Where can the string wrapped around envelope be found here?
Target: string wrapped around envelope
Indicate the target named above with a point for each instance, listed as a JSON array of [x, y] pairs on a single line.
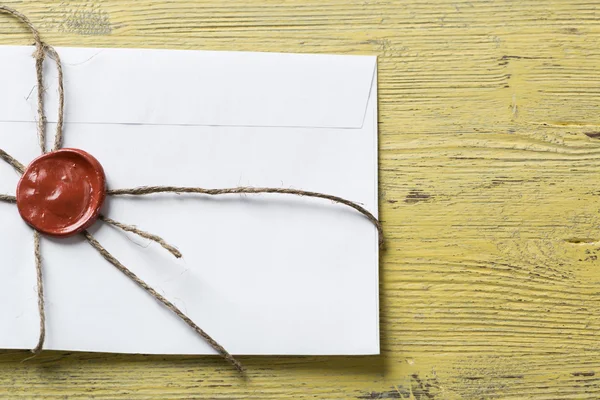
[[60, 194]]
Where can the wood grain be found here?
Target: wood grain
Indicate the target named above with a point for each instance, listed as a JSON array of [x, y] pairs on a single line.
[[490, 197]]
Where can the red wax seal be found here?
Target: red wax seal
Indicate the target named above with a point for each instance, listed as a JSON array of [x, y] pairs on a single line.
[[61, 193]]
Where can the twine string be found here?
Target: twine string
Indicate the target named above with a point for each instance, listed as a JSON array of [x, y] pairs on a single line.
[[6, 198], [43, 49], [146, 235], [40, 285], [20, 168], [39, 56], [146, 190], [38, 260], [58, 136], [111, 259]]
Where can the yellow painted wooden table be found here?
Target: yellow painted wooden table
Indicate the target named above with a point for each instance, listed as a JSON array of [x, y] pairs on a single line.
[[490, 196]]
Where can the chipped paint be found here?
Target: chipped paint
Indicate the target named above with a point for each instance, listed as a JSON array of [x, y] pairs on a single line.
[[86, 18], [416, 195]]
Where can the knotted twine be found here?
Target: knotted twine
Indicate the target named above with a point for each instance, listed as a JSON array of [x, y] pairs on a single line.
[[43, 49]]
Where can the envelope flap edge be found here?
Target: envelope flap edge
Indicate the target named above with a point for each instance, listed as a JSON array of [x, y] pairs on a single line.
[[178, 87]]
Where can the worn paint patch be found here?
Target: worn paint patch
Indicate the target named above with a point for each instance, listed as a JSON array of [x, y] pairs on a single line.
[[587, 373], [391, 394], [418, 388], [593, 135], [582, 241], [416, 195], [86, 18]]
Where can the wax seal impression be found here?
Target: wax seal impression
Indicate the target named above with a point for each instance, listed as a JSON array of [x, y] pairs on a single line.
[[60, 193]]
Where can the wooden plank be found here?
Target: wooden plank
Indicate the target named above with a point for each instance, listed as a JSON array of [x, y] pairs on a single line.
[[490, 155]]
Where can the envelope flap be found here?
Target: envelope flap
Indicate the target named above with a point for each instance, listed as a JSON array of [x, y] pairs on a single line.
[[117, 86]]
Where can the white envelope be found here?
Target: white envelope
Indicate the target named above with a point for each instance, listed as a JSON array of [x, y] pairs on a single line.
[[262, 274]]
